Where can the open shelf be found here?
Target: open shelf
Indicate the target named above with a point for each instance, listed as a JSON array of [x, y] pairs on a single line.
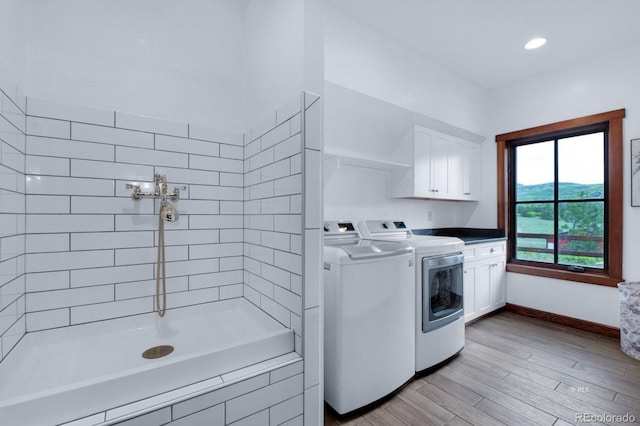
[[347, 159]]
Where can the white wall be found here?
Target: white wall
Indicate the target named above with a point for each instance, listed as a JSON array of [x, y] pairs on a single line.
[[274, 50], [363, 59], [404, 87], [355, 193], [12, 46], [224, 64], [314, 46], [166, 59], [598, 84]]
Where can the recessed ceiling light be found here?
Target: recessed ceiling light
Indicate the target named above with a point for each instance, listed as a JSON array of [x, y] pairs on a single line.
[[535, 43]]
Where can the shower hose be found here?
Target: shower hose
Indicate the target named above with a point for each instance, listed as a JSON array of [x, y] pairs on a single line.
[[161, 267]]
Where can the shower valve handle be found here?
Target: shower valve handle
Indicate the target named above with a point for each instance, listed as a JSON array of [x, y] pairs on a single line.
[[136, 190], [175, 195]]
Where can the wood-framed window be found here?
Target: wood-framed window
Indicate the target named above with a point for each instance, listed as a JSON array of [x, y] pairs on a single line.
[[558, 228]]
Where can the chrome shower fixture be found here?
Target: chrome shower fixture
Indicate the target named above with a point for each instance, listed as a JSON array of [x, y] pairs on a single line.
[[160, 190], [168, 212]]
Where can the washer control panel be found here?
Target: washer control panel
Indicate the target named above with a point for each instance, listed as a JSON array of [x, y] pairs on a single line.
[[383, 229], [337, 228]]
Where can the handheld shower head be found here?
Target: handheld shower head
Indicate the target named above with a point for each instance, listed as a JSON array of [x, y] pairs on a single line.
[[168, 212]]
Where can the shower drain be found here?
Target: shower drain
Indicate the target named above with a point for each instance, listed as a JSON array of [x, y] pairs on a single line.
[[157, 352]]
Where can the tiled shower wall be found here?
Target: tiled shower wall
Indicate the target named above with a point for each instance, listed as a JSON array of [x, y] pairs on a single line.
[[283, 213], [273, 217], [312, 261], [91, 248], [12, 219]]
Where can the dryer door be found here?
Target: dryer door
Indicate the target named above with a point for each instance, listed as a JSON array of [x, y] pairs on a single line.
[[442, 283]]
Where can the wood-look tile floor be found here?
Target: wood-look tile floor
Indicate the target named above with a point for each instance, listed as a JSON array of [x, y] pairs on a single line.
[[516, 370]]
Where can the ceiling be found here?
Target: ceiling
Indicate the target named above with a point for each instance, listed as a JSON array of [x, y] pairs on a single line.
[[482, 40]]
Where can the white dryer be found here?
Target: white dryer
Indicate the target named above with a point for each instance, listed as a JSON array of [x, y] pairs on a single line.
[[439, 307], [369, 329]]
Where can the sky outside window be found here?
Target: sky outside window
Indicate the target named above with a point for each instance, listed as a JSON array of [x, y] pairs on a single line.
[[581, 160]]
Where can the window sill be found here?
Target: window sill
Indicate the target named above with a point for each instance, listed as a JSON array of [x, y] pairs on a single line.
[[560, 274]]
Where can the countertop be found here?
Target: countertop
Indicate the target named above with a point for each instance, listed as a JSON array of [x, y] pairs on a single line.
[[468, 235]]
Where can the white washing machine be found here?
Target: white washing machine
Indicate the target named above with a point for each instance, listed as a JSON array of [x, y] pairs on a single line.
[[439, 305], [369, 345]]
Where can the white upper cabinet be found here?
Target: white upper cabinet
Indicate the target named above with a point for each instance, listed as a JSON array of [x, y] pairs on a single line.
[[418, 178], [442, 166], [471, 172], [439, 164], [456, 168]]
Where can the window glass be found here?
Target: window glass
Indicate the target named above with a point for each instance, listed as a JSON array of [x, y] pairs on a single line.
[[561, 228], [535, 171], [581, 167], [581, 234], [534, 232]]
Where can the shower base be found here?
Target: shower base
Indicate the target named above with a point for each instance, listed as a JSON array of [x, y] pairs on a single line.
[[56, 376]]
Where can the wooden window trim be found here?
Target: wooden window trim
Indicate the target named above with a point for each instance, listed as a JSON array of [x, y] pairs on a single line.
[[613, 275]]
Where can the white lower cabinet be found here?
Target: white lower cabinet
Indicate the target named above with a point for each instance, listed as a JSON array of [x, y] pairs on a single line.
[[484, 278]]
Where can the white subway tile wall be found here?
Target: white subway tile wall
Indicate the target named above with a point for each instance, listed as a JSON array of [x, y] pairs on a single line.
[[312, 263], [270, 226], [90, 248], [12, 220], [269, 393]]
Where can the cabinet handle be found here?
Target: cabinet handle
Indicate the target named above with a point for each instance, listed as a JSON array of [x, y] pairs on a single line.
[[492, 250], [435, 190], [467, 193]]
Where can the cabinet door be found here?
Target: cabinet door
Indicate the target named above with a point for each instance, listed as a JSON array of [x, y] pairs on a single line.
[[469, 291], [456, 169], [439, 166], [498, 282], [422, 164], [472, 163], [483, 288]]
